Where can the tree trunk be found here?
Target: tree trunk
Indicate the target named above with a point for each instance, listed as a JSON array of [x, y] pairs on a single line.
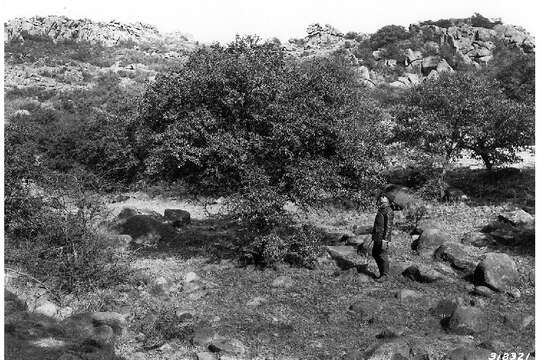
[[487, 161]]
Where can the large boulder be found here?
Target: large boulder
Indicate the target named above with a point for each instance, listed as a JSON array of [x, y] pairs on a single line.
[[429, 241], [429, 64], [177, 217], [456, 255], [145, 229], [346, 257], [517, 218], [497, 271], [467, 320]]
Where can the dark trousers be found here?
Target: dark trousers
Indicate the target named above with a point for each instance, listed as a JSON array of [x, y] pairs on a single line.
[[380, 254]]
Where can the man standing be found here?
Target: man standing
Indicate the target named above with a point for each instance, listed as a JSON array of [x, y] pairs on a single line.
[[382, 235]]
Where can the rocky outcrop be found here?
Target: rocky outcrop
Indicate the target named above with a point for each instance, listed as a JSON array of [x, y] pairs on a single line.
[[61, 28]]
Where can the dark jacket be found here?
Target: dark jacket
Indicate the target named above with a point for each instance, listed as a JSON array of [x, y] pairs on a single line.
[[384, 220]]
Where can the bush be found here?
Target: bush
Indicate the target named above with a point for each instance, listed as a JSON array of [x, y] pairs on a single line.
[[389, 34], [296, 246], [49, 223], [478, 20]]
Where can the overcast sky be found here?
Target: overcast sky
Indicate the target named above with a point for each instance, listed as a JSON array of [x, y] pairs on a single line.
[[220, 20]]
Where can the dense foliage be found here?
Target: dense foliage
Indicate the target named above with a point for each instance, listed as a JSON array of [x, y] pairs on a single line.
[[240, 116], [464, 111]]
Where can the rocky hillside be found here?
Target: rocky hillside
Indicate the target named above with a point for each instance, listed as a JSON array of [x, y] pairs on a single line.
[[61, 28], [421, 52], [393, 55]]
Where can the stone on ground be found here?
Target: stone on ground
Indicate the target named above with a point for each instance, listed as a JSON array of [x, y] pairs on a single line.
[[456, 255], [177, 217], [394, 349], [206, 356], [87, 325], [408, 296], [478, 239], [283, 282], [497, 271], [345, 257], [422, 273], [160, 286], [46, 308], [191, 276], [429, 241], [144, 229], [203, 336], [227, 346], [517, 218], [483, 291], [517, 320], [467, 320]]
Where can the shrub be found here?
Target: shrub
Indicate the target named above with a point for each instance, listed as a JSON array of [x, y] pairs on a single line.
[[242, 121], [478, 20], [389, 34], [296, 246]]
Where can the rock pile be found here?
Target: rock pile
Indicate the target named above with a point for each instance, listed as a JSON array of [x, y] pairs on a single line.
[[61, 28]]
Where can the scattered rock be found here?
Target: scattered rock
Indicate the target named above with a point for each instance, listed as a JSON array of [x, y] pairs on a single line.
[[498, 271], [227, 346], [160, 286], [91, 324], [346, 257], [191, 276], [46, 308], [206, 356], [422, 273], [454, 194], [483, 291], [144, 229], [514, 293], [493, 345], [407, 295], [394, 349], [390, 333], [456, 255], [203, 336], [256, 301], [177, 217], [283, 282], [518, 321], [429, 241], [183, 316], [137, 356], [517, 218], [467, 320], [478, 239]]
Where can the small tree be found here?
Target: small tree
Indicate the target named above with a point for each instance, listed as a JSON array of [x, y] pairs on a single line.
[[464, 111]]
